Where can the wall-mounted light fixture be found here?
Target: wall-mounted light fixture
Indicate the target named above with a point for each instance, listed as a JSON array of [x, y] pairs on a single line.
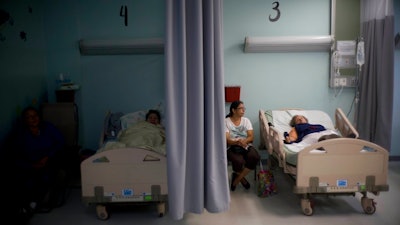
[[121, 46], [288, 44]]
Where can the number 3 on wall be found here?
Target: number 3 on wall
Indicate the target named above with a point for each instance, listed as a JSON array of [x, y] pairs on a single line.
[[278, 12]]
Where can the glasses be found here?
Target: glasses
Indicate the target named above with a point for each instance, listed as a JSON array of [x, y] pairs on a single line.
[[244, 108]]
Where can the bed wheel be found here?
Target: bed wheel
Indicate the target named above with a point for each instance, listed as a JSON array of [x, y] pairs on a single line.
[[306, 207], [161, 209], [101, 211], [368, 205]]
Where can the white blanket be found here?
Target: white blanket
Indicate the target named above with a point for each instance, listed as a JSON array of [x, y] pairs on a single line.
[[141, 135], [308, 140]]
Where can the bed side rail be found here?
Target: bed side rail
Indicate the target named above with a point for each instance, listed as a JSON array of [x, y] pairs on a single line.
[[265, 139], [278, 148], [103, 133], [273, 140], [344, 125]]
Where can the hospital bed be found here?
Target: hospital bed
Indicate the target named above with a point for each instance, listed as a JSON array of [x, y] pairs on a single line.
[[339, 166], [129, 167]]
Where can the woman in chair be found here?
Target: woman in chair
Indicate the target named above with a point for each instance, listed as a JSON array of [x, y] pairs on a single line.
[[39, 147], [239, 139]]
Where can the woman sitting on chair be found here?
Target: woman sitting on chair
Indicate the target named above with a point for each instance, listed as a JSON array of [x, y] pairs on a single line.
[[39, 147], [239, 139]]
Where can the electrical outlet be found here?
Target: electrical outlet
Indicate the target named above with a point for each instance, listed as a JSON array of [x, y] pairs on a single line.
[[353, 81], [336, 82], [343, 82]]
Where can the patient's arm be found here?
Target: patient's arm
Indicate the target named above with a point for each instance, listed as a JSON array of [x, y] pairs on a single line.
[[291, 136]]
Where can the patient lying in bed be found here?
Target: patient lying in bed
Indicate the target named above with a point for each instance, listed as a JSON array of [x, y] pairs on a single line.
[[301, 128], [148, 134]]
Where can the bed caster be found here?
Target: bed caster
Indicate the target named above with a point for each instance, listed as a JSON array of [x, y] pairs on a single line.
[[161, 209], [101, 212], [368, 205], [306, 207]]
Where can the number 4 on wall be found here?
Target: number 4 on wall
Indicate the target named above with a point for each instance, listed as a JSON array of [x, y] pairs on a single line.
[[123, 12]]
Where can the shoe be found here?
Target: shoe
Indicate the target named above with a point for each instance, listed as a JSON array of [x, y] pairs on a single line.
[[245, 183], [233, 187]]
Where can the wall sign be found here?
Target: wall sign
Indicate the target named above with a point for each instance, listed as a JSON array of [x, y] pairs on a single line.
[[123, 12], [277, 10]]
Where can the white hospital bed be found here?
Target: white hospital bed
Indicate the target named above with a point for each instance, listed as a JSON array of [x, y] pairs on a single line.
[[345, 166], [121, 173]]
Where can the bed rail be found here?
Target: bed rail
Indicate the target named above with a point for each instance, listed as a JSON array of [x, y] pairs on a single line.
[[344, 125]]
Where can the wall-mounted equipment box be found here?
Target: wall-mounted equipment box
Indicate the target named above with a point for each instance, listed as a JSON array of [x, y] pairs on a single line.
[[232, 93]]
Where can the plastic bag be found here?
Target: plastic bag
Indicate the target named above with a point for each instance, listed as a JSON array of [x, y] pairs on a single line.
[[266, 185]]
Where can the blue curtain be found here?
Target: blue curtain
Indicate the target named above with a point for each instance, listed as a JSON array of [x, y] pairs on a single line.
[[375, 109], [196, 147]]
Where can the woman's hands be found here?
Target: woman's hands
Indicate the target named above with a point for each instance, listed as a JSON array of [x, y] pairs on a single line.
[[241, 142]]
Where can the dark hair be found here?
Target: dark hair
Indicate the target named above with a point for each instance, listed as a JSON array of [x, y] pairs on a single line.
[[234, 105], [153, 111]]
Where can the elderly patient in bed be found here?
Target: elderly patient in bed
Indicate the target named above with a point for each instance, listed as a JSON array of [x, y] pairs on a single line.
[[148, 134], [301, 128]]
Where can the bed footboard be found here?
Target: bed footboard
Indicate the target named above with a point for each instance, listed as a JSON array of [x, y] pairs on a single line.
[[127, 175], [345, 164]]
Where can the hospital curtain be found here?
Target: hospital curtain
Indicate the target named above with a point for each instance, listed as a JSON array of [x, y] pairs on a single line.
[[196, 155], [375, 108]]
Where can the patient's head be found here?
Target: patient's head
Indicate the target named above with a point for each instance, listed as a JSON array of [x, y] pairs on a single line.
[[31, 117], [153, 116], [298, 119]]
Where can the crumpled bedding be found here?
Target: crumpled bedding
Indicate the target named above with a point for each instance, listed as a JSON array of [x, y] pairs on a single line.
[[293, 149], [141, 135], [308, 140]]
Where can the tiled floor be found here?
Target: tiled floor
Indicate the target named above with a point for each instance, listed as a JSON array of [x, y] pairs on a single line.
[[247, 208]]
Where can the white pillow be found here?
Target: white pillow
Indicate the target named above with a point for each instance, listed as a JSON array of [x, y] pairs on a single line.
[[131, 119]]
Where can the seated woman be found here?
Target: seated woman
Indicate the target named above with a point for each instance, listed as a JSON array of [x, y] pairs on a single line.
[[39, 145], [301, 128], [239, 139]]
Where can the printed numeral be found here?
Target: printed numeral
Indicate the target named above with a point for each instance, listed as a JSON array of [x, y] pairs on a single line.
[[124, 13], [278, 12]]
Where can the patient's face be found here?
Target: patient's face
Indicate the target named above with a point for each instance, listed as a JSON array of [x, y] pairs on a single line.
[[299, 119], [32, 118], [153, 118]]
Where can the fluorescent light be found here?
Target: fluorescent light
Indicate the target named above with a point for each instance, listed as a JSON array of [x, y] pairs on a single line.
[[288, 44], [121, 46]]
